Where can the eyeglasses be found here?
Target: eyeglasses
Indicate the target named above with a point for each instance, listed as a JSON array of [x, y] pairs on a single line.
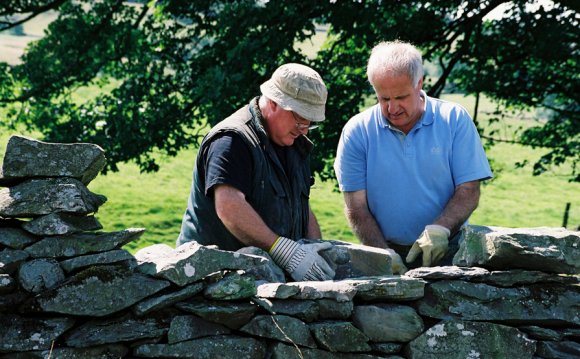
[[302, 126]]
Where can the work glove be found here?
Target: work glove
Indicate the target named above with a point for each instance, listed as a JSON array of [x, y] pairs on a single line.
[[301, 261], [433, 242], [396, 262]]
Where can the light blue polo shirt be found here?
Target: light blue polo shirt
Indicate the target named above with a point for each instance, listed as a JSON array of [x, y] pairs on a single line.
[[409, 179]]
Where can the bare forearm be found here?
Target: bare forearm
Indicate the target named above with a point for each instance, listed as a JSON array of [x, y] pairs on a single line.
[[463, 202], [314, 231], [361, 220], [241, 219]]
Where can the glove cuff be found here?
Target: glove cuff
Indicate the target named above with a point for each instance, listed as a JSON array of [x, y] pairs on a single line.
[[436, 227], [283, 250]]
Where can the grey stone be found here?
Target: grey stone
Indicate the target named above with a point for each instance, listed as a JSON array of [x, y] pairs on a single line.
[[520, 277], [19, 333], [37, 197], [26, 157], [267, 272], [559, 350], [39, 275], [61, 224], [7, 283], [340, 337], [11, 259], [361, 260], [232, 286], [191, 262], [388, 322], [462, 339], [277, 290], [554, 250], [280, 327], [399, 288], [305, 310], [539, 333], [16, 238], [114, 330], [286, 351], [206, 348], [109, 257], [446, 272], [187, 327], [165, 300], [83, 243], [232, 315], [537, 304], [113, 351], [387, 348], [95, 292], [330, 309]]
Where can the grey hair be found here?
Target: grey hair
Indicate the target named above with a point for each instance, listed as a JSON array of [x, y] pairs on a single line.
[[395, 58]]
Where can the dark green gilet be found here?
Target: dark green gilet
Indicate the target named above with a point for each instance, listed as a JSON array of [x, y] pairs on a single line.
[[280, 200]]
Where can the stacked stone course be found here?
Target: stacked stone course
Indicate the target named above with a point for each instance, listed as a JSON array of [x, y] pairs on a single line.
[[68, 290]]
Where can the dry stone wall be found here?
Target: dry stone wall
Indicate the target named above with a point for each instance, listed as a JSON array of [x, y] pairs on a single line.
[[69, 290]]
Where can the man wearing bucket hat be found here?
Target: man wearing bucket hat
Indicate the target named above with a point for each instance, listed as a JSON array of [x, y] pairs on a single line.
[[251, 181]]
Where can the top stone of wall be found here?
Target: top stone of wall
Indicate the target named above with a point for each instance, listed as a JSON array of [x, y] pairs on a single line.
[[26, 158]]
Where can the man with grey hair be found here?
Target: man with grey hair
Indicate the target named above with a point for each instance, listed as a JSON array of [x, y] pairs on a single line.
[[410, 167], [251, 181]]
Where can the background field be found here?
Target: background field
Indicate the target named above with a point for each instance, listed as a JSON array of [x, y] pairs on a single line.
[[156, 201]]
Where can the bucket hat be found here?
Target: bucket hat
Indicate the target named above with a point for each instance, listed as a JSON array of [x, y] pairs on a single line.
[[298, 88]]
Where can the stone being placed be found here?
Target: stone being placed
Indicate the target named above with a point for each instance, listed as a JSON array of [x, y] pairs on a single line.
[[27, 158], [38, 197], [554, 250]]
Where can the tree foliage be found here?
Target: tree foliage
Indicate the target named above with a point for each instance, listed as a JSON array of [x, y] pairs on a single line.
[[177, 66]]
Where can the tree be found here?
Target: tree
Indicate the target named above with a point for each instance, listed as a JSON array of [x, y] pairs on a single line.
[[177, 66]]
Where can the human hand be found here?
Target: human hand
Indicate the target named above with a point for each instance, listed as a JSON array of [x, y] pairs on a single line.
[[301, 261], [433, 242], [396, 262]]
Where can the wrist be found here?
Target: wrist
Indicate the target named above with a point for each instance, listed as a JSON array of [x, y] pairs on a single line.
[[439, 228], [282, 251]]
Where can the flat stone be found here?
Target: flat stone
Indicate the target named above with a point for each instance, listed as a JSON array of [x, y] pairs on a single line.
[[188, 327], [165, 300], [83, 243], [110, 257], [37, 197], [38, 275], [112, 351], [446, 272], [19, 333], [535, 304], [119, 329], [232, 286], [330, 309], [339, 337], [26, 157], [287, 351], [61, 224], [232, 315], [206, 348], [388, 322], [461, 339], [280, 327], [554, 250], [305, 310], [16, 238], [191, 262], [539, 333], [277, 290], [558, 350], [387, 348], [95, 292]]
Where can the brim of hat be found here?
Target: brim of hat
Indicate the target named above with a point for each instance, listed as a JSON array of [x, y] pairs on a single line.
[[309, 111]]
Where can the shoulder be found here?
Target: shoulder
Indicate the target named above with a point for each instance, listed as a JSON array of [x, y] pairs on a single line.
[[363, 121]]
